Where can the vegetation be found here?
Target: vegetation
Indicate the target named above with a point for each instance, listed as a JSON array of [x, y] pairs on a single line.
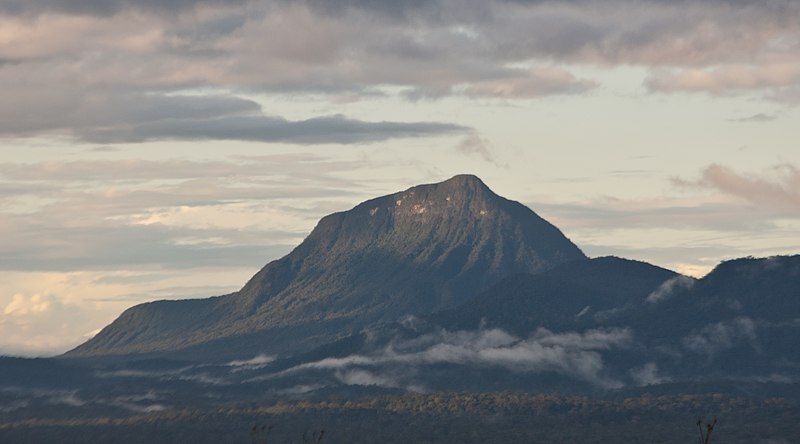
[[439, 417]]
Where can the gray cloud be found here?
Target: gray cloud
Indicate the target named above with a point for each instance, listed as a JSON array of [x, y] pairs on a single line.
[[40, 177], [755, 118], [474, 145], [123, 76], [103, 7], [103, 118], [85, 113], [319, 130]]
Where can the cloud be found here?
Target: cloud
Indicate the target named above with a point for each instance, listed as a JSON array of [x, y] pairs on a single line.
[[127, 118], [778, 190], [256, 362], [721, 336], [42, 324], [648, 374], [76, 215], [364, 377], [55, 397], [668, 288], [571, 353], [76, 62], [755, 118], [475, 145], [70, 399], [7, 407], [102, 7], [138, 403], [22, 305], [539, 82], [692, 232], [186, 373], [727, 79], [334, 129], [87, 114]]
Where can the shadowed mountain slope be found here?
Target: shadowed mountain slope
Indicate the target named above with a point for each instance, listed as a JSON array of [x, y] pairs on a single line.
[[585, 326], [568, 297], [425, 249]]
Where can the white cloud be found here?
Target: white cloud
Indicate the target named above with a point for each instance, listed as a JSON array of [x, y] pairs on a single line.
[[42, 324], [22, 305], [571, 353], [364, 377], [665, 290], [256, 362]]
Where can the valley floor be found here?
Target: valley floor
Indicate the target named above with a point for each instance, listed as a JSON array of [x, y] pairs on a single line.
[[437, 417]]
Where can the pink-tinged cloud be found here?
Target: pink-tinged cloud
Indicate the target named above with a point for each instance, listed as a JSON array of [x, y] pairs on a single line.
[[726, 79], [537, 82], [779, 189]]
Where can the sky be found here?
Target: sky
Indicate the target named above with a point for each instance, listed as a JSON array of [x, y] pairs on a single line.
[[169, 149]]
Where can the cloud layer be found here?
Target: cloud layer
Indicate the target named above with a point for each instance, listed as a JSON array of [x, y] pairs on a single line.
[[126, 118], [79, 65], [570, 353]]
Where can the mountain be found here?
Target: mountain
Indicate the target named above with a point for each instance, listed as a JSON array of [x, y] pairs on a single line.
[[441, 304], [585, 327], [444, 288], [450, 287], [425, 249], [568, 297]]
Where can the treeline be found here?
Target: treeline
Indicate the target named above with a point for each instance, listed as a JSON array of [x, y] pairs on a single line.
[[438, 417]]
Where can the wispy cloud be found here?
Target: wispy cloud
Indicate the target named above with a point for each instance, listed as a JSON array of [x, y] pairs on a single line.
[[776, 190], [715, 338], [648, 374], [571, 353], [728, 79], [755, 118], [475, 145], [96, 212], [256, 362], [668, 288]]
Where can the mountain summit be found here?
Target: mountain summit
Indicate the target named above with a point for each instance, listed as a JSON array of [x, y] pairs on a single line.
[[424, 249]]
